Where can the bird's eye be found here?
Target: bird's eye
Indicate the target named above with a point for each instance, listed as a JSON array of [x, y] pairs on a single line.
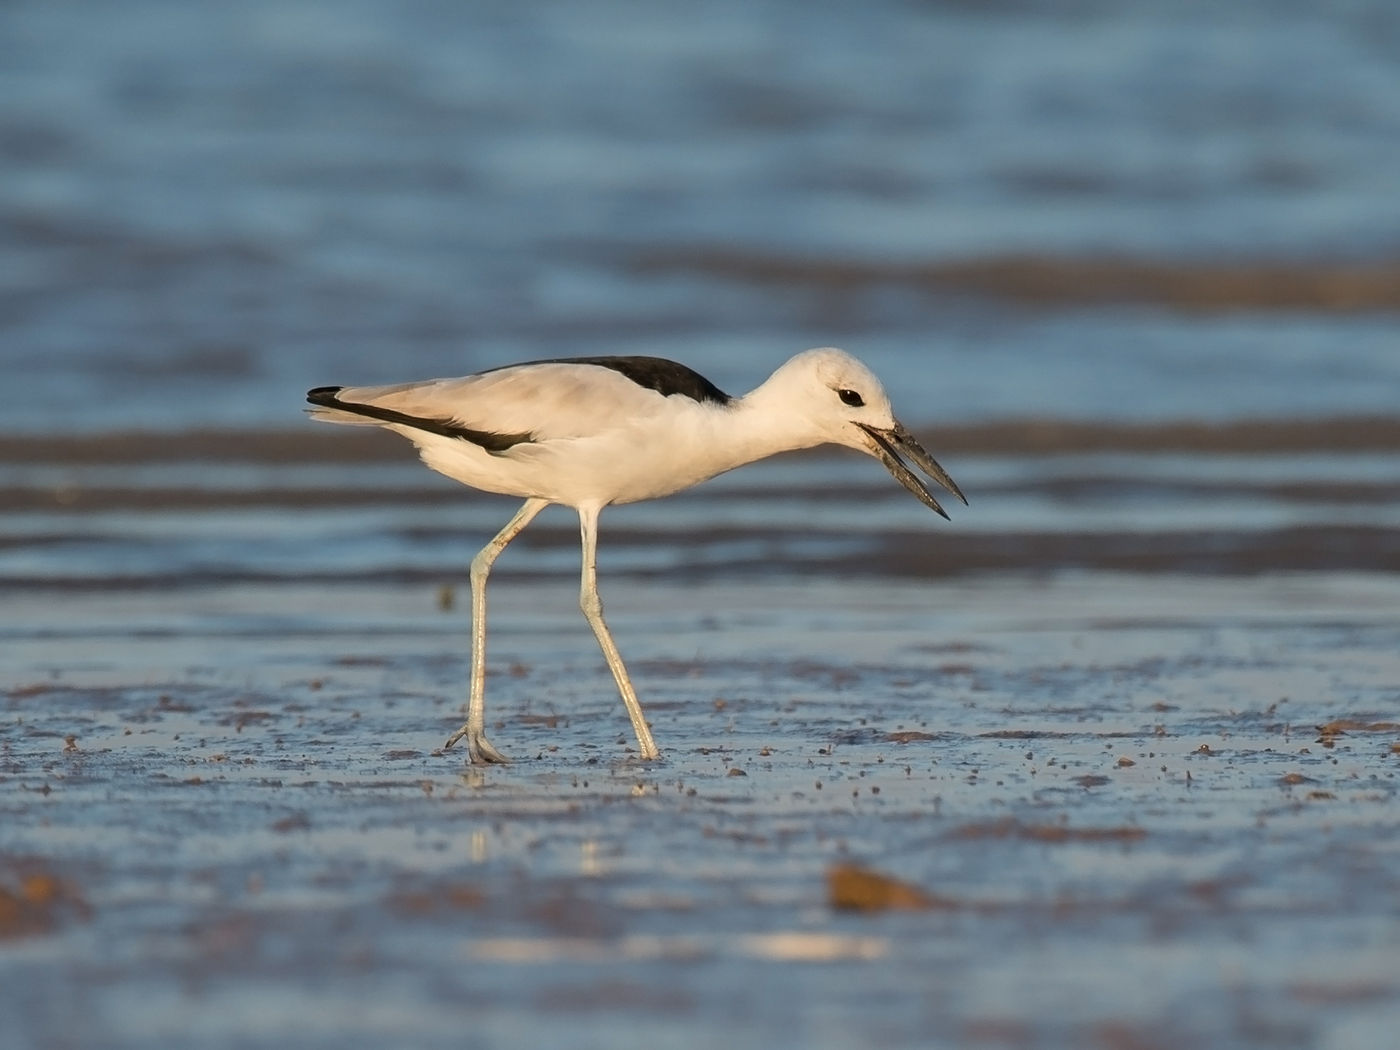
[[850, 397]]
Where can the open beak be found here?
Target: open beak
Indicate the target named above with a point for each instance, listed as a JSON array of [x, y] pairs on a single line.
[[888, 446]]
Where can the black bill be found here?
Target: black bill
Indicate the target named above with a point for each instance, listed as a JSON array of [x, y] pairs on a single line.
[[888, 446]]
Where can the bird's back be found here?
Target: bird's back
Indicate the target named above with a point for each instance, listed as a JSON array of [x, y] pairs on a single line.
[[587, 429]]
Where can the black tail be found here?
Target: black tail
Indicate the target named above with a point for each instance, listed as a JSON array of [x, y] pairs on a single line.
[[327, 397], [324, 396]]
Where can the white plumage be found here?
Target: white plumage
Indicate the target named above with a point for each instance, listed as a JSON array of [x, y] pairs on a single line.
[[593, 431]]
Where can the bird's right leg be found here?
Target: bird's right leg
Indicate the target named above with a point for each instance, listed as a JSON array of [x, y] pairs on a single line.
[[592, 606], [474, 729]]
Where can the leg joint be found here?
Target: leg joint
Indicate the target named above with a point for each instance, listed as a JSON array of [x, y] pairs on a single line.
[[590, 603], [481, 565]]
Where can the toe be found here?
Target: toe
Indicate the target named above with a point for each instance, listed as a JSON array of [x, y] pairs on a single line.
[[482, 753]]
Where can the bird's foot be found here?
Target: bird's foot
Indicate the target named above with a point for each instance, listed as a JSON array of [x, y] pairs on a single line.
[[647, 750], [479, 749]]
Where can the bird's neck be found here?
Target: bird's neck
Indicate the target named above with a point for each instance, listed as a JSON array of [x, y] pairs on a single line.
[[759, 425]]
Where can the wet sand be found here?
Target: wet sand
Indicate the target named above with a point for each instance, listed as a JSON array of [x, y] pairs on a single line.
[[1119, 811]]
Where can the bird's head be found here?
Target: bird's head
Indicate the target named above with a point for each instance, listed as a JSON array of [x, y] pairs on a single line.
[[845, 404]]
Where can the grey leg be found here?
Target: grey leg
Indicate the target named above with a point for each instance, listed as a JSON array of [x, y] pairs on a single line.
[[592, 607], [474, 729]]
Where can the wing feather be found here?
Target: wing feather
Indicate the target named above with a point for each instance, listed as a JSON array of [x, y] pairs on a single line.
[[536, 402]]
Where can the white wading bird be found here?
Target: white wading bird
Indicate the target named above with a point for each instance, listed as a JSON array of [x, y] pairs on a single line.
[[592, 431]]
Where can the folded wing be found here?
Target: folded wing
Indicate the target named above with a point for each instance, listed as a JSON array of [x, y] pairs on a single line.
[[499, 409]]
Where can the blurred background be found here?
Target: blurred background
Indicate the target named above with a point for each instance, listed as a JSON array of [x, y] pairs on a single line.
[[1131, 268], [1089, 210]]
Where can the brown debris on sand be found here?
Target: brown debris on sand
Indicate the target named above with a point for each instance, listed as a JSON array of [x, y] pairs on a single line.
[[908, 736], [434, 899], [1356, 725], [1327, 734], [854, 888], [34, 901], [1013, 828]]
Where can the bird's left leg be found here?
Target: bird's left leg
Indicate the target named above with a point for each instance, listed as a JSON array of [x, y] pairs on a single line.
[[592, 607], [479, 749]]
